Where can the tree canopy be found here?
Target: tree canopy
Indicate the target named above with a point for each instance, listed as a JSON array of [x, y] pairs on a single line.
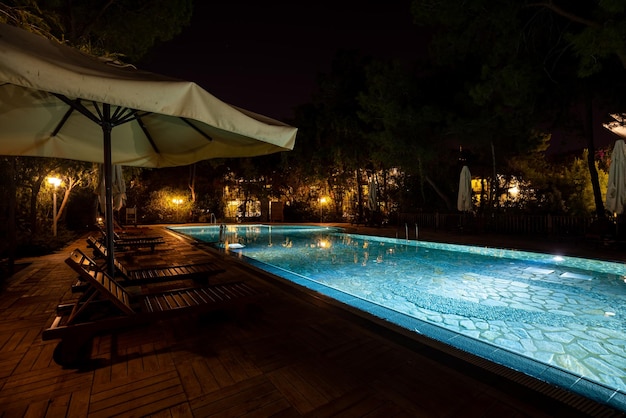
[[128, 28]]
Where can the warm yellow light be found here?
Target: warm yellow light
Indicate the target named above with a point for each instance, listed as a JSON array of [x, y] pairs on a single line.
[[323, 243], [177, 201], [55, 181], [514, 191], [322, 201]]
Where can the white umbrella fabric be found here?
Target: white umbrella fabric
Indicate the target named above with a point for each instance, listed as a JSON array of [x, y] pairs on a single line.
[[373, 195], [616, 189], [118, 188], [464, 199], [58, 102]]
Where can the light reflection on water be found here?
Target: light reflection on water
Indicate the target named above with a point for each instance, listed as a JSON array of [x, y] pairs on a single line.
[[561, 311]]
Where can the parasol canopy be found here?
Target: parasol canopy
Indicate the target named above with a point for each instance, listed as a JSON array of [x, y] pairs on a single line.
[[118, 188], [616, 188], [52, 101], [58, 102], [372, 200], [464, 199]]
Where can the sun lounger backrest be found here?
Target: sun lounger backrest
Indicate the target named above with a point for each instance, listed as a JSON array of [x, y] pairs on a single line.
[[79, 258], [97, 246], [110, 289], [116, 236], [101, 281], [101, 249], [120, 267]]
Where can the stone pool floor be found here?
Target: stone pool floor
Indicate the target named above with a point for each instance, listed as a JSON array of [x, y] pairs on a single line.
[[560, 316]]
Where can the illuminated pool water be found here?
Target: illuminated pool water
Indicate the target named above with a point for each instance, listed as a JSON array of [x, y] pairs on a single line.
[[560, 319]]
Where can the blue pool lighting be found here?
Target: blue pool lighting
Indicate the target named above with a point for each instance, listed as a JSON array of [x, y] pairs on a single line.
[[559, 319]]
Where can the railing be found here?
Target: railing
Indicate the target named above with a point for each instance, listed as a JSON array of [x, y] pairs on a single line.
[[557, 225]]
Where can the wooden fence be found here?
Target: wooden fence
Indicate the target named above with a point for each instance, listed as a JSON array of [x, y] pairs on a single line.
[[555, 225]]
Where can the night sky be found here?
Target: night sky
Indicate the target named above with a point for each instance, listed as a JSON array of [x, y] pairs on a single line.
[[266, 59]]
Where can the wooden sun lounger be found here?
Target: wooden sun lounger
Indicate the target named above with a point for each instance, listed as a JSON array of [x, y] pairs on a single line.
[[125, 235], [99, 249], [198, 272], [107, 306], [133, 243]]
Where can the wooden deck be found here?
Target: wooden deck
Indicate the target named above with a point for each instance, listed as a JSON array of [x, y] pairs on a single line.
[[291, 354]]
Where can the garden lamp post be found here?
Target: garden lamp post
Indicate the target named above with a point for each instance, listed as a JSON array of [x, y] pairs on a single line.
[[177, 201], [322, 202], [55, 181]]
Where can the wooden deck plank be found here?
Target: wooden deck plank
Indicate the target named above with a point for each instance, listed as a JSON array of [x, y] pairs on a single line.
[[121, 387], [5, 336], [151, 393], [177, 411], [204, 376], [17, 339], [45, 357], [16, 411], [241, 398], [271, 353], [269, 405], [330, 387], [14, 394], [182, 410], [219, 371], [35, 409], [237, 365], [59, 406], [423, 393], [49, 377], [160, 399], [149, 357], [246, 363], [29, 359], [192, 385], [8, 362], [119, 367], [134, 360], [303, 396], [102, 376], [360, 355], [79, 403], [360, 403]]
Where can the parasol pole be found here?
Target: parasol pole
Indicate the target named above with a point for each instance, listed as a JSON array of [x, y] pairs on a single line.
[[108, 190]]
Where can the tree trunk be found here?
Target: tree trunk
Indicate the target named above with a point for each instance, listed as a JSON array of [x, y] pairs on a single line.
[[422, 177], [443, 196], [34, 227], [70, 184], [12, 204], [192, 181], [493, 201], [591, 163], [384, 193], [361, 215]]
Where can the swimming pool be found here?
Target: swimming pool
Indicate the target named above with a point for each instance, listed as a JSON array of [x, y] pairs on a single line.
[[557, 318]]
